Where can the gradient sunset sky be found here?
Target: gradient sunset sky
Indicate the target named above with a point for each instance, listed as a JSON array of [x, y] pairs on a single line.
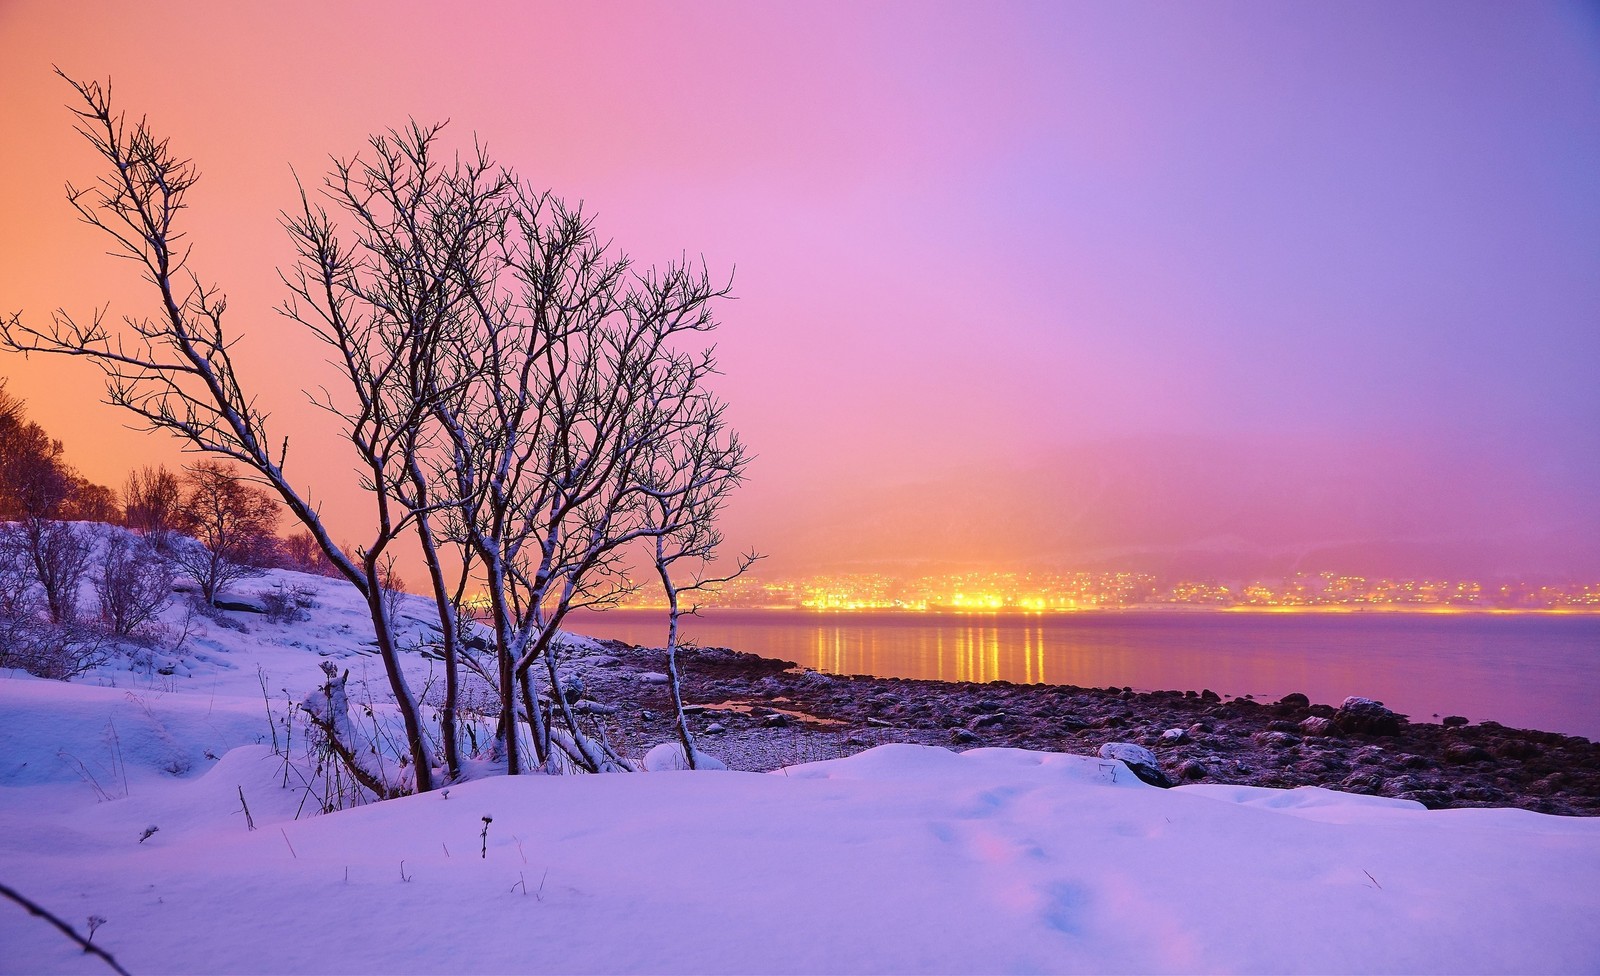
[[1214, 288]]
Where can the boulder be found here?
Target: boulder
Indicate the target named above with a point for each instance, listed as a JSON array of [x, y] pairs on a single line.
[[1172, 737], [1366, 716], [1295, 700], [1275, 740], [651, 678], [240, 603], [1454, 721], [961, 735], [1316, 726], [1461, 753], [1139, 760]]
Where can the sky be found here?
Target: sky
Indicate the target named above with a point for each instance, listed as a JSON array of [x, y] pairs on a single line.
[[1211, 289]]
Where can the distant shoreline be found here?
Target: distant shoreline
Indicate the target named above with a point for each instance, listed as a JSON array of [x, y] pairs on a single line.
[[1334, 610]]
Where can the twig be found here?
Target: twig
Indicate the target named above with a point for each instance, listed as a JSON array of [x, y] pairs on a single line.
[[286, 840], [67, 930], [249, 821], [1374, 880], [403, 876]]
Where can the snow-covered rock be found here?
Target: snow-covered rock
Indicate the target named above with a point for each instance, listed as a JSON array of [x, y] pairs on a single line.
[[1139, 760], [670, 757]]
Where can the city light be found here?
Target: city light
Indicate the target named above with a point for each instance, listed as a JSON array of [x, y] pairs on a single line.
[[1008, 592]]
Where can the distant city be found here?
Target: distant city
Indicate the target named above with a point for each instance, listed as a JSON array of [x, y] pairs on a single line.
[[1067, 592]]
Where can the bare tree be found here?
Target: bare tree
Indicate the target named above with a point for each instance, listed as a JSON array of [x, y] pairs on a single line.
[[694, 476], [60, 554], [510, 388], [29, 638], [152, 503], [34, 478], [134, 585], [300, 552], [233, 524]]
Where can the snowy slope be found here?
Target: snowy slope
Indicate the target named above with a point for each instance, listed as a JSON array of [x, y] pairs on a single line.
[[901, 859]]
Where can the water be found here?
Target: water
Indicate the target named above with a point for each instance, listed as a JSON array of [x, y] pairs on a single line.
[[1525, 671]]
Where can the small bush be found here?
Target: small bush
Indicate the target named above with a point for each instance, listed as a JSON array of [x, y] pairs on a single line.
[[289, 603], [135, 584]]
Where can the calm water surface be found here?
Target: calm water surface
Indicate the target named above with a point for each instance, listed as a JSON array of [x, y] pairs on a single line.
[[1524, 671]]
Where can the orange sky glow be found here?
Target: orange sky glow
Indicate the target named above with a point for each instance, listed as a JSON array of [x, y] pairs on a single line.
[[1219, 289]]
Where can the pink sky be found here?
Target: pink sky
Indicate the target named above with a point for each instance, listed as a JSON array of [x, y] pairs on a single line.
[[1223, 285]]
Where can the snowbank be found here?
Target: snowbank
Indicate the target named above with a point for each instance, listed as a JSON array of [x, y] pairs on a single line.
[[900, 859]]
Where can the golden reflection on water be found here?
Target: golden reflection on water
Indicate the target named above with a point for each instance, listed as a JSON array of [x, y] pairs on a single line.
[[1527, 672], [972, 652]]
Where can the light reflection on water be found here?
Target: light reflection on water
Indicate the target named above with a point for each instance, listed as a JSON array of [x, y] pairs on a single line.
[[1524, 671]]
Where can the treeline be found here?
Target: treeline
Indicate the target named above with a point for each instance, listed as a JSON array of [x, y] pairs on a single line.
[[209, 501], [205, 524]]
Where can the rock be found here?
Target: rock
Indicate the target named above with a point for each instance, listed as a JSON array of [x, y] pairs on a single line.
[[1172, 737], [572, 688], [984, 721], [1365, 716], [650, 678], [240, 604], [961, 735], [1454, 721], [1193, 769], [1210, 696], [987, 705], [1295, 700], [1365, 781], [1316, 726], [1275, 740], [879, 723], [1139, 760], [716, 728], [1515, 749], [777, 720], [1461, 753], [669, 756]]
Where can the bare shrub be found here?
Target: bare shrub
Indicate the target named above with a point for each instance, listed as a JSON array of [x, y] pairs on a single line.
[[301, 553], [232, 522], [152, 501], [134, 586], [289, 602], [59, 552], [29, 639]]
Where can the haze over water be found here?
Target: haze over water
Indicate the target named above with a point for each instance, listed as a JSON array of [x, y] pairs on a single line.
[[1521, 670]]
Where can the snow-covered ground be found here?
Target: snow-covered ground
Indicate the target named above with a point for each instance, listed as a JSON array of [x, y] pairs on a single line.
[[901, 859]]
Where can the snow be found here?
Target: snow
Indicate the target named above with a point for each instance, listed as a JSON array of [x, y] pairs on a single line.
[[900, 859]]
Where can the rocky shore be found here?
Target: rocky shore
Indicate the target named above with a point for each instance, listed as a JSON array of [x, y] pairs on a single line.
[[759, 714]]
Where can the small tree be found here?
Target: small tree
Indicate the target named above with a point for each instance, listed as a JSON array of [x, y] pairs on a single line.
[[29, 638], [135, 583], [508, 386], [232, 522], [152, 502], [301, 553]]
